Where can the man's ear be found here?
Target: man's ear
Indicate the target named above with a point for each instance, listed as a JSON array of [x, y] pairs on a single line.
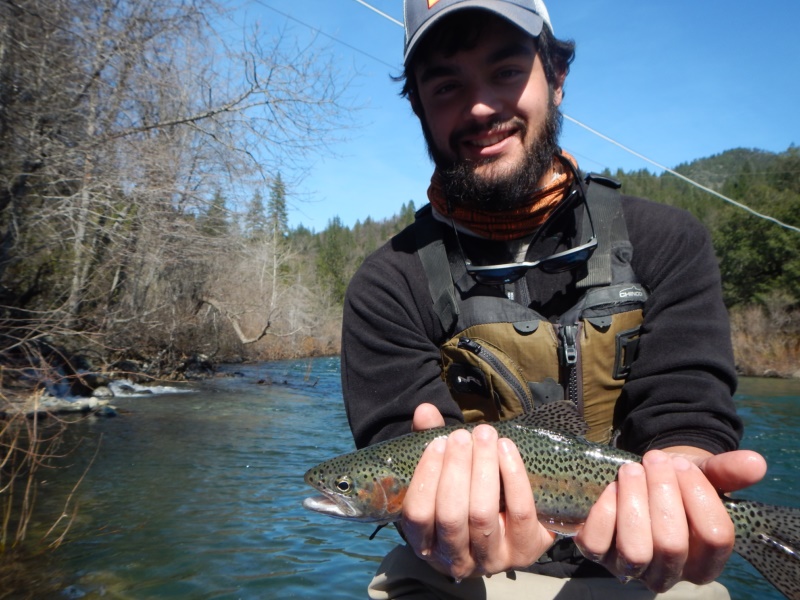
[[558, 88]]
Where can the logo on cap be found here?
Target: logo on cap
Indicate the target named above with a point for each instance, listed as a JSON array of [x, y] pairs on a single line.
[[431, 3]]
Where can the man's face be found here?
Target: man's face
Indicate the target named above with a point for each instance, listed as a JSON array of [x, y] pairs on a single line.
[[490, 118]]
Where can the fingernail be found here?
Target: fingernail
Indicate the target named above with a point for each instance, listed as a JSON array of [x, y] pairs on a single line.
[[438, 444], [633, 469], [680, 463], [656, 457]]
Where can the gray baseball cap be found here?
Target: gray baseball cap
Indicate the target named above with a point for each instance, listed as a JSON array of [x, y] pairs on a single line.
[[421, 15]]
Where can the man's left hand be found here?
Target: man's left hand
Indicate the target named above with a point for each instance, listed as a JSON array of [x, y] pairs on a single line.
[[662, 521]]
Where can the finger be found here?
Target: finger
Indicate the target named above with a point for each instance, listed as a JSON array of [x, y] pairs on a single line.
[[524, 538], [484, 503], [596, 537], [711, 531], [419, 504], [426, 416], [735, 470], [451, 548], [634, 541], [668, 524]]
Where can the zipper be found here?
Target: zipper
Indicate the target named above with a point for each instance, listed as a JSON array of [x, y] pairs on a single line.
[[521, 391], [569, 357]]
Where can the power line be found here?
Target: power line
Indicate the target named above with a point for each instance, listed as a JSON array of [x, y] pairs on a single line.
[[383, 14], [641, 156], [330, 37], [684, 178]]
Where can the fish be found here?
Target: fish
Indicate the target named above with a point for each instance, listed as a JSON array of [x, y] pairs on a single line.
[[567, 473]]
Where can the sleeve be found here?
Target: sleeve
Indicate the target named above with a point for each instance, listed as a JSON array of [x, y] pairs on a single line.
[[390, 358], [680, 388]]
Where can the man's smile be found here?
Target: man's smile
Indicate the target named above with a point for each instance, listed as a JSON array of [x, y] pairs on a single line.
[[488, 143]]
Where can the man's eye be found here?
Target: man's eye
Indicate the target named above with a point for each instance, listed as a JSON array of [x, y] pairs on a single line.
[[509, 73], [444, 89]]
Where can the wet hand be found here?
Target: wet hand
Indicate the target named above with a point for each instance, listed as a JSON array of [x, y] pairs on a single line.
[[451, 513], [663, 521]]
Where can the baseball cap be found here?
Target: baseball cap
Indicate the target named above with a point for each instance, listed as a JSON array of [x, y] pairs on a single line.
[[421, 15]]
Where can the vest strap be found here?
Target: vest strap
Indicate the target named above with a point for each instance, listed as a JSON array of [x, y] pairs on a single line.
[[603, 198], [433, 254]]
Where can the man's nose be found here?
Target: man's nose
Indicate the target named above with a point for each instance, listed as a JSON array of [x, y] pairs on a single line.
[[483, 103]]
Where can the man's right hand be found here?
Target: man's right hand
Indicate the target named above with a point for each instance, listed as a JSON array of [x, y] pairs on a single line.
[[451, 513]]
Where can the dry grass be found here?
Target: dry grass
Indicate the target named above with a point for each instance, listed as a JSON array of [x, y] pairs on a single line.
[[766, 341]]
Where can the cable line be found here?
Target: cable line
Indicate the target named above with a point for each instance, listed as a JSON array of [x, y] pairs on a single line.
[[383, 14], [330, 37], [641, 156], [683, 177]]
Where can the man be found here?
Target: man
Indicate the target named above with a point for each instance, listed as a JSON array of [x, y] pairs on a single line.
[[496, 302]]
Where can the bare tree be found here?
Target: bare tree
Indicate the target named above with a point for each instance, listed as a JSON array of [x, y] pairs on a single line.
[[118, 120]]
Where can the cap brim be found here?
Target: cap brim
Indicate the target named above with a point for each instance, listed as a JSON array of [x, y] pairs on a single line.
[[525, 19]]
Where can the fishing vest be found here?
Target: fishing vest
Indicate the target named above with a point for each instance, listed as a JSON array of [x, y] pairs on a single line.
[[502, 358]]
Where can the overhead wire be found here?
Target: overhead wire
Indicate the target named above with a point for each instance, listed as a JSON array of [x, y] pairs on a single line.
[[569, 118], [683, 177], [637, 154]]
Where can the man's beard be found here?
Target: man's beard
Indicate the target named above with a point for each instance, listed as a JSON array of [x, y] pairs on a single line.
[[464, 188]]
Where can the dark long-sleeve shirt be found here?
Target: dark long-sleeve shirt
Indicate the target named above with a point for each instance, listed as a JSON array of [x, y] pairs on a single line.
[[679, 391]]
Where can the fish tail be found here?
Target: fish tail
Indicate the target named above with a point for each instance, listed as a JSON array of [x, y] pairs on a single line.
[[768, 537]]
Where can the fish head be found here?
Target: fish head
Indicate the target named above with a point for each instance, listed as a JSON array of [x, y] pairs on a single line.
[[356, 488]]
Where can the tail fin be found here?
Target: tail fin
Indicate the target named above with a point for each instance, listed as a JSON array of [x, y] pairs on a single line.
[[768, 537]]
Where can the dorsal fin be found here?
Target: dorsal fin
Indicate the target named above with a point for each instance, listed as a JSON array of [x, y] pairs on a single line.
[[561, 416]]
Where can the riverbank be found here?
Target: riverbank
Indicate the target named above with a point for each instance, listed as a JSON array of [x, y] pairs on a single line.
[[766, 342]]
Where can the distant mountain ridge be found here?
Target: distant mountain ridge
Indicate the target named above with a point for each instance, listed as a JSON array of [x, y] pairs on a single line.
[[714, 171]]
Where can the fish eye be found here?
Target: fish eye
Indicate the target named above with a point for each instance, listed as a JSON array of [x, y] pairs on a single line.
[[344, 485]]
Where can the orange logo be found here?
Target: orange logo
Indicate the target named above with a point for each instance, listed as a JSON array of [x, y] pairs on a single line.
[[431, 3]]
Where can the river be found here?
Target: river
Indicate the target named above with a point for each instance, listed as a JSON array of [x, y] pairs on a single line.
[[198, 494]]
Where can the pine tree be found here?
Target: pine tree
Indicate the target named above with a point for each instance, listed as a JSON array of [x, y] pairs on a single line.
[[277, 216], [214, 222], [255, 220]]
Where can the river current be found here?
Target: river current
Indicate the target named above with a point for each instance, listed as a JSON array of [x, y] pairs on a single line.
[[198, 494]]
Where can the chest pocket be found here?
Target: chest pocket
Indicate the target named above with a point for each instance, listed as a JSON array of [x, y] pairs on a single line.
[[496, 371]]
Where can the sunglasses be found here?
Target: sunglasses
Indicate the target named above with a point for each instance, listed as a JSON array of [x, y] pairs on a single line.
[[566, 260]]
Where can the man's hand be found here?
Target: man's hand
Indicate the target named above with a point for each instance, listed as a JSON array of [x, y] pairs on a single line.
[[663, 521], [451, 513]]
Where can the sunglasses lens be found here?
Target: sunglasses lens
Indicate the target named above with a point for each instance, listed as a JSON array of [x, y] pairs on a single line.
[[550, 241], [500, 275], [568, 260]]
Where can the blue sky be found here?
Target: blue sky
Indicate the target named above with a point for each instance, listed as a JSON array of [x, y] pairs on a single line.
[[674, 81]]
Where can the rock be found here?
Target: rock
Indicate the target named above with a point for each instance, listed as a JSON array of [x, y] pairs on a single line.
[[103, 392], [198, 366], [106, 411]]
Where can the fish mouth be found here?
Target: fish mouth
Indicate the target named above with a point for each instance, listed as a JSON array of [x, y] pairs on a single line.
[[333, 507]]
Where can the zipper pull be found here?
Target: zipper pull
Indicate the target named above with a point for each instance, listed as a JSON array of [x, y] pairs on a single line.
[[569, 346], [469, 345]]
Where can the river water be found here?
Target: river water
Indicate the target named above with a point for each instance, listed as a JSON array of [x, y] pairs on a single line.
[[198, 494]]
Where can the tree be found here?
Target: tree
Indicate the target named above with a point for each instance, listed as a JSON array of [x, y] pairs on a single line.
[[214, 222], [118, 121], [255, 221], [333, 267], [277, 215]]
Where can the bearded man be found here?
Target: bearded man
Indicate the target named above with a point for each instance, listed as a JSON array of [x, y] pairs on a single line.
[[522, 284]]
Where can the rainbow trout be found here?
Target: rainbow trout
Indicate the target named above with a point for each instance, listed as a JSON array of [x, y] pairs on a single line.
[[567, 476]]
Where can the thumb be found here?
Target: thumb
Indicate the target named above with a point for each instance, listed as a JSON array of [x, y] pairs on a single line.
[[427, 416], [735, 470]]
